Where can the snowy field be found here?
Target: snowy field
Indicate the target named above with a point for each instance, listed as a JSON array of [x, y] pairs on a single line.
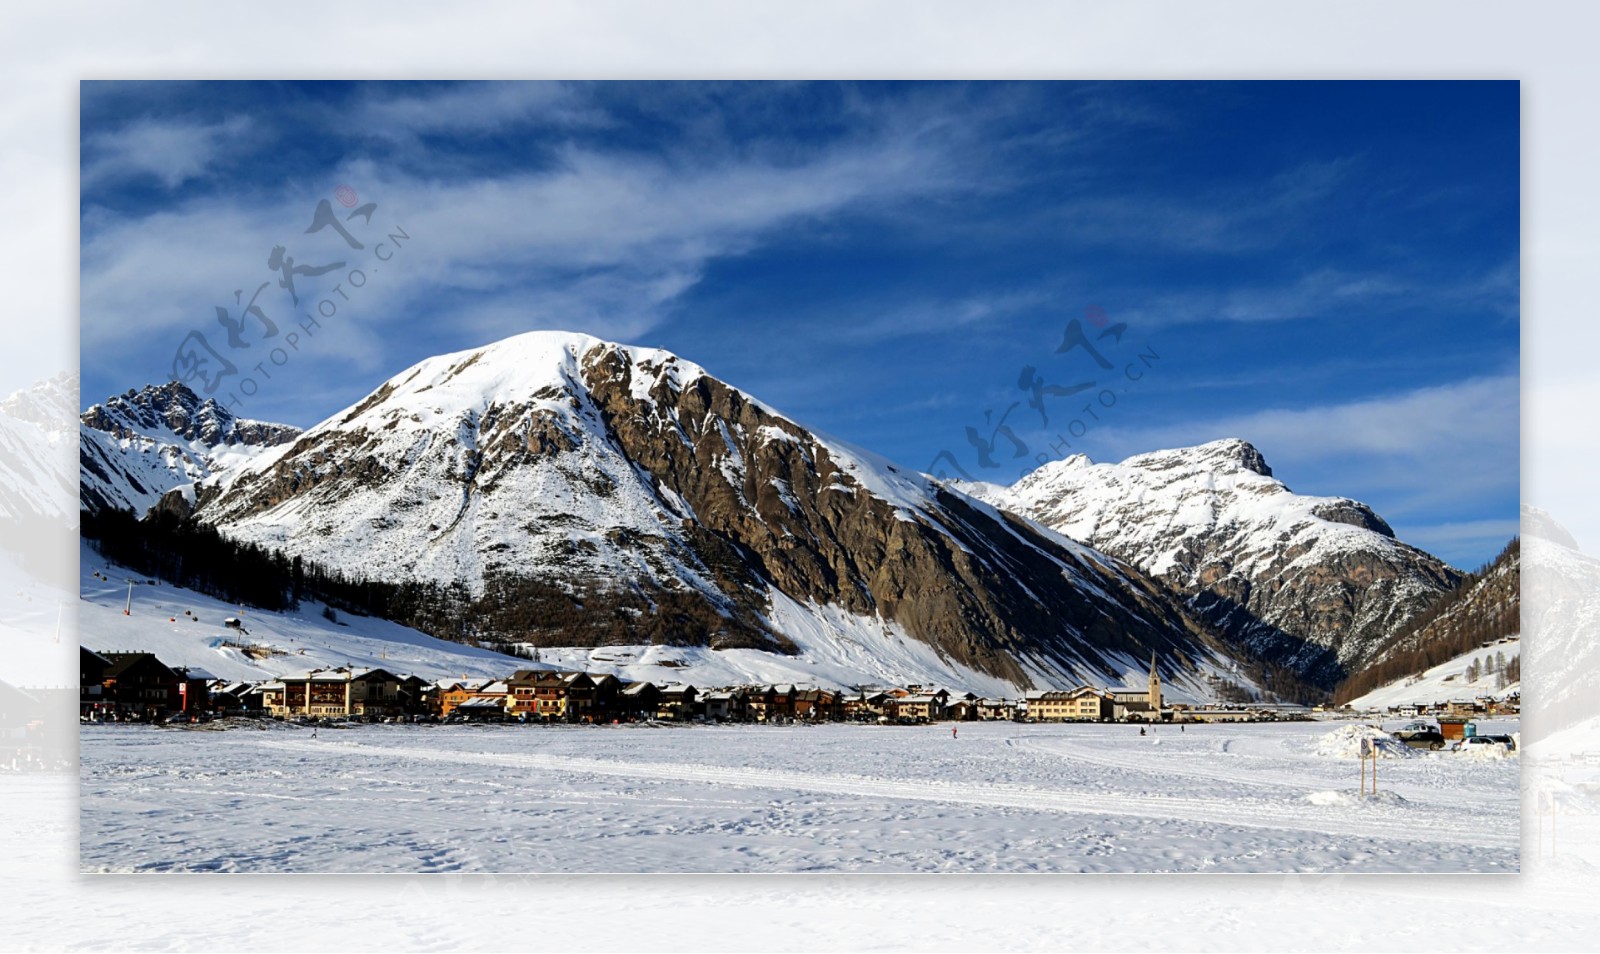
[[1001, 797]]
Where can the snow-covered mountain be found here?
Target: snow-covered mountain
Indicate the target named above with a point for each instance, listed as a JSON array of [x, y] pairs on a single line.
[[137, 446], [1560, 616], [1313, 583], [36, 475], [584, 493]]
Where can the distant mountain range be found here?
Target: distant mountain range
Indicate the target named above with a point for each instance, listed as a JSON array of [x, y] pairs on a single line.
[[568, 491]]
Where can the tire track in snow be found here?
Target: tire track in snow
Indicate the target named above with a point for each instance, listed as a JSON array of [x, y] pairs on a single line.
[[1262, 814]]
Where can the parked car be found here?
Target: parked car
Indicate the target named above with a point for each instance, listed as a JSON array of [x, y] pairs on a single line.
[[1504, 740], [1429, 738]]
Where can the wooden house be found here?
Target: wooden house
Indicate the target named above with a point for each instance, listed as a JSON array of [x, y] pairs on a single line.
[[637, 701], [138, 685], [676, 703], [723, 705]]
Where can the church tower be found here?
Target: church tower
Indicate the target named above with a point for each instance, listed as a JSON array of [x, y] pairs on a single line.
[[1155, 687]]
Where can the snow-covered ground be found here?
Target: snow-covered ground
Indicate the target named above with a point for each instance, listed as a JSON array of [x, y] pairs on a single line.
[[1447, 681], [1000, 797]]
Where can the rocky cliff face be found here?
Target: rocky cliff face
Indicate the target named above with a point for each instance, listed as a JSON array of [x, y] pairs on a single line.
[[560, 461], [138, 446], [1313, 583]]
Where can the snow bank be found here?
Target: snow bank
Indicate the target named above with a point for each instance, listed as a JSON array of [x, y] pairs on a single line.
[[1345, 743]]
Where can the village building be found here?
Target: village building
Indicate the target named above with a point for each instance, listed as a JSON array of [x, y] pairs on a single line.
[[235, 698], [599, 703], [676, 703], [194, 689], [758, 702], [523, 701], [481, 708], [723, 705], [920, 707], [336, 693], [547, 690], [814, 705], [490, 694], [961, 710], [638, 700], [1131, 704], [138, 685], [1083, 704], [92, 668], [861, 705], [780, 706], [445, 695], [995, 710]]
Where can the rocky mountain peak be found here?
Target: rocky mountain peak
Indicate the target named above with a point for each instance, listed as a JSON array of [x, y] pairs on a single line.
[[175, 409], [1313, 583], [1228, 456]]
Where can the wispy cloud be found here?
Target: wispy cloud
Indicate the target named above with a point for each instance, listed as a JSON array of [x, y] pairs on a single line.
[[1318, 293], [170, 151], [467, 108], [941, 316], [1224, 219], [601, 241]]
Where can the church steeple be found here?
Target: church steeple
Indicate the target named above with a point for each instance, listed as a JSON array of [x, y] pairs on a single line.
[[1155, 686]]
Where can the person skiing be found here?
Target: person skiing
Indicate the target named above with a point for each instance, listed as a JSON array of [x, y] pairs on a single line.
[[952, 732], [1141, 730]]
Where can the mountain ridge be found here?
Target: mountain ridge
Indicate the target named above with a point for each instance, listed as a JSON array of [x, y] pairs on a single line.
[[1312, 583]]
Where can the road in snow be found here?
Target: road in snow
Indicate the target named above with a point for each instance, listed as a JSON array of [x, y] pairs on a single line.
[[1001, 797]]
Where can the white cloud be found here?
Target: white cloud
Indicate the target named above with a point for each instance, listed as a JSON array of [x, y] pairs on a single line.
[[172, 152], [598, 238]]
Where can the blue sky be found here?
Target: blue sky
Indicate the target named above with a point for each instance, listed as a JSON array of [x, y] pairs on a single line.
[[1328, 270]]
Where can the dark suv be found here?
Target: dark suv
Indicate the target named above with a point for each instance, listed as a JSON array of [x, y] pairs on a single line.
[[1429, 739]]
